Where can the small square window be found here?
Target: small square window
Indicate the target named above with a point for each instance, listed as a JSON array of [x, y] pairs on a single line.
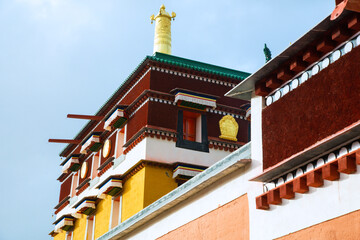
[[192, 131]]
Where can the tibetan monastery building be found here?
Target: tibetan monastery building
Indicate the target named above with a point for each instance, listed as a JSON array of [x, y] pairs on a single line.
[[167, 122], [167, 156]]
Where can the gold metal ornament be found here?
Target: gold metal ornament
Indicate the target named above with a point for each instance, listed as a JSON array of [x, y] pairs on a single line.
[[228, 128], [83, 170], [162, 41], [106, 148]]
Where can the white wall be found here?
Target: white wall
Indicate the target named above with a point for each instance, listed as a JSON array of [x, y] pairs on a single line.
[[332, 200], [165, 151]]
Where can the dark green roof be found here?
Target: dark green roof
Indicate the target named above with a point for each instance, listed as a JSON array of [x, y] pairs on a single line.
[[198, 66]]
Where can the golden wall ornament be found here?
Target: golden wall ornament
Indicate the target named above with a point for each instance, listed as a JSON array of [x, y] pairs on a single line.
[[162, 40], [228, 128], [83, 170], [106, 148]]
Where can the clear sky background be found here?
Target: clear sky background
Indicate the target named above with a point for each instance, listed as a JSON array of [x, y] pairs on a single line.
[[69, 56]]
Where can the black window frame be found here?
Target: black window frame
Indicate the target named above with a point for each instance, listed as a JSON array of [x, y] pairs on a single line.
[[202, 146]]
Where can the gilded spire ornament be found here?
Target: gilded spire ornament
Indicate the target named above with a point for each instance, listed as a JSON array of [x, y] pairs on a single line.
[[162, 40], [267, 53]]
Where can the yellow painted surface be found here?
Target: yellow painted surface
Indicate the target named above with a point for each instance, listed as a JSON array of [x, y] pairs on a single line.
[[60, 236], [133, 195], [158, 182], [102, 216], [145, 187], [79, 228]]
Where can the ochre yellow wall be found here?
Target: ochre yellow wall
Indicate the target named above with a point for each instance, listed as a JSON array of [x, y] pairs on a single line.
[[60, 236], [133, 195], [158, 182], [79, 228], [145, 187], [102, 216]]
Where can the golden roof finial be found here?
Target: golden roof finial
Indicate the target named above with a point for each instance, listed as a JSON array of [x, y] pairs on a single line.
[[162, 40]]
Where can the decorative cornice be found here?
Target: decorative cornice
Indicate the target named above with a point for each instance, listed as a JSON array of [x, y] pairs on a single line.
[[62, 207], [182, 73], [225, 112], [313, 69], [85, 184], [105, 166], [217, 143], [327, 167], [66, 199], [151, 131], [140, 165]]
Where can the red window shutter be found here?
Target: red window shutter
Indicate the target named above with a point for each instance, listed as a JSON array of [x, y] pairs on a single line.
[[189, 125]]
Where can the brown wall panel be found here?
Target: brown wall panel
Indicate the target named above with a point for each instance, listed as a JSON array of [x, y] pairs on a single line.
[[139, 88], [65, 188], [325, 104], [165, 82], [162, 115], [137, 121]]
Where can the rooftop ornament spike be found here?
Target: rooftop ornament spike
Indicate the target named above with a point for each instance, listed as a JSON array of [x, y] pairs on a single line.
[[352, 5], [267, 53], [162, 40]]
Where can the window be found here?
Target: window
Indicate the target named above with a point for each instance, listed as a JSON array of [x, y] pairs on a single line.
[[120, 139], [116, 211], [189, 125], [192, 131], [68, 235], [74, 184], [90, 228]]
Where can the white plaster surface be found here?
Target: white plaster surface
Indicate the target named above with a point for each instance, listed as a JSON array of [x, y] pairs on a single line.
[[165, 151], [332, 200]]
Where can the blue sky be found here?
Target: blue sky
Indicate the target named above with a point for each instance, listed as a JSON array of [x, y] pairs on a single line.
[[69, 56]]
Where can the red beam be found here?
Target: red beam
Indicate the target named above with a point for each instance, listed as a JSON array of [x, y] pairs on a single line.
[[298, 65], [71, 141], [340, 35], [354, 23], [311, 56], [87, 117], [273, 83], [261, 89], [285, 75], [325, 46]]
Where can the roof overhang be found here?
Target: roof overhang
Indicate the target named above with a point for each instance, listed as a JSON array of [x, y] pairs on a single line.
[[245, 88]]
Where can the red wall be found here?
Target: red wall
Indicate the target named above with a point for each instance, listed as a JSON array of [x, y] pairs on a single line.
[[325, 104], [165, 82], [139, 88], [65, 188], [137, 121], [162, 115]]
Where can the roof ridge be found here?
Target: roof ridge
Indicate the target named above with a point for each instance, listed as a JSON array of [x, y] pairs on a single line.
[[199, 66]]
